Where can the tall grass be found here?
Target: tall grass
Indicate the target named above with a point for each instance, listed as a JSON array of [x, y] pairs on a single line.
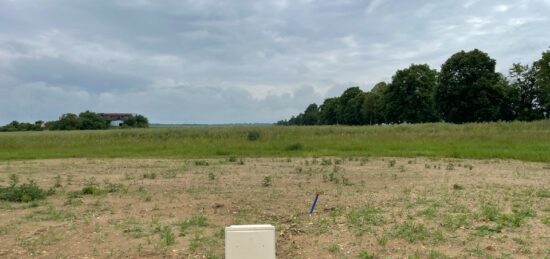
[[507, 140]]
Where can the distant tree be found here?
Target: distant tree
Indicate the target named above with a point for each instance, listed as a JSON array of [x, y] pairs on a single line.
[[328, 111], [468, 89], [295, 120], [410, 96], [52, 125], [142, 121], [12, 126], [68, 121], [508, 107], [20, 126], [92, 121], [137, 121], [542, 75], [311, 115], [38, 124], [372, 109], [349, 106], [282, 123], [525, 94]]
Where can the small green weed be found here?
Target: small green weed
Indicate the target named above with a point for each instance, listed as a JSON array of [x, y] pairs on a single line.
[[91, 189], [167, 238], [267, 181], [201, 163], [150, 175], [365, 255], [197, 221], [211, 176], [392, 163], [333, 248]]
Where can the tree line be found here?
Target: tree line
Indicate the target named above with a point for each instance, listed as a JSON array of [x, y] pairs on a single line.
[[466, 89], [69, 121]]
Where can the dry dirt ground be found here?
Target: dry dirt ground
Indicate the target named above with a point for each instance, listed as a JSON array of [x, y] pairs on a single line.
[[368, 207]]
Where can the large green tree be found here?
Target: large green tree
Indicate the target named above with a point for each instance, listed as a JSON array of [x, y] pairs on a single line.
[[349, 106], [542, 75], [410, 96], [372, 109], [91, 121], [68, 121], [136, 121], [525, 93], [468, 88], [311, 115], [328, 111]]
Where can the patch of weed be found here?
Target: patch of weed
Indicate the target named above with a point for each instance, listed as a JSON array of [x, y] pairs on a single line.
[[413, 232], [211, 176], [458, 187], [150, 175], [22, 193], [364, 217], [434, 254], [167, 238], [201, 163], [333, 248], [365, 255], [196, 221]]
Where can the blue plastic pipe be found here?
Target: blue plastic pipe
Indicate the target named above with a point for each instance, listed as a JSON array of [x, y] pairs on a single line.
[[314, 203]]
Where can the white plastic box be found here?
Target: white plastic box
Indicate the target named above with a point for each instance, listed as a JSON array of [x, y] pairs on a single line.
[[250, 242]]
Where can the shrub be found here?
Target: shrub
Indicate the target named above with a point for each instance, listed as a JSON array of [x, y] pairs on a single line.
[[91, 189], [201, 163], [211, 176], [23, 193], [150, 175], [392, 163], [294, 147], [253, 135], [266, 182]]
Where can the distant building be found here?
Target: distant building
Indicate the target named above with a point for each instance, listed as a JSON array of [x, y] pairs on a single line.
[[116, 123], [115, 119]]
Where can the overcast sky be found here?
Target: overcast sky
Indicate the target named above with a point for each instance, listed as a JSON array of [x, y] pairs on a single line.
[[193, 61]]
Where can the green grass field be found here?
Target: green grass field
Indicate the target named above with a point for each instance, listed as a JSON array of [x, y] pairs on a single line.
[[529, 141]]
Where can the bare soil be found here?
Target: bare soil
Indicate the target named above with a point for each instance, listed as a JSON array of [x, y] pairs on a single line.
[[368, 207]]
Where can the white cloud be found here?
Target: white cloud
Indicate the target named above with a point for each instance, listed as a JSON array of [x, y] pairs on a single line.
[[501, 8]]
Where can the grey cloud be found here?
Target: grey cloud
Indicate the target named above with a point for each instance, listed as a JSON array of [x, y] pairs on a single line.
[[237, 61], [60, 72]]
